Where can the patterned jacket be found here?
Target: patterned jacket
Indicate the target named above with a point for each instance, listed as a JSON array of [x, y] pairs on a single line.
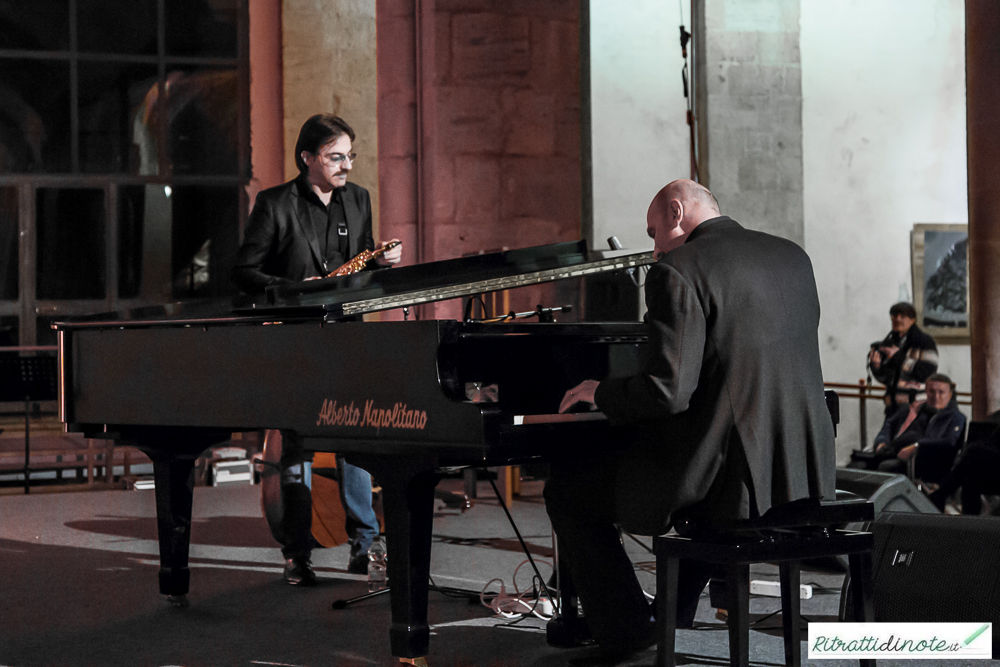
[[905, 372]]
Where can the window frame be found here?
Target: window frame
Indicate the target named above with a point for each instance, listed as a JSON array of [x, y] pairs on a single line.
[[28, 308]]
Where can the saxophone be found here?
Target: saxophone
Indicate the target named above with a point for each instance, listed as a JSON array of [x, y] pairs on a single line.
[[359, 262]]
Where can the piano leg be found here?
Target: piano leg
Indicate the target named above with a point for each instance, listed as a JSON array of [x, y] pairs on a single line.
[[408, 508], [174, 478]]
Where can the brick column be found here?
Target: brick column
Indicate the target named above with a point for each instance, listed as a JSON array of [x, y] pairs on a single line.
[[982, 57], [266, 108]]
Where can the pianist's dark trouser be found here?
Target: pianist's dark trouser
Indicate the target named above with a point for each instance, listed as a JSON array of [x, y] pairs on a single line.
[[587, 500]]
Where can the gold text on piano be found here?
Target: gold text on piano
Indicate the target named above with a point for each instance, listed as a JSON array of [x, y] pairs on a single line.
[[399, 416]]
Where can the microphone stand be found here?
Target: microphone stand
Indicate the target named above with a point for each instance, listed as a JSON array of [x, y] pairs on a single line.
[[472, 595]]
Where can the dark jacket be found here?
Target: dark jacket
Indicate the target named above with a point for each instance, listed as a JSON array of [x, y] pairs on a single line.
[[915, 361], [280, 243], [933, 429], [731, 403]]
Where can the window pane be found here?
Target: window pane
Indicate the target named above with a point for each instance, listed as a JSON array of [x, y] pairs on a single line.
[[115, 134], [204, 109], [9, 330], [70, 253], [145, 232], [131, 217], [204, 240], [8, 243], [106, 26], [34, 119], [35, 25], [202, 28]]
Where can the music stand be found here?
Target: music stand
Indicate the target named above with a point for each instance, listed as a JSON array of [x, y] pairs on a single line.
[[28, 379]]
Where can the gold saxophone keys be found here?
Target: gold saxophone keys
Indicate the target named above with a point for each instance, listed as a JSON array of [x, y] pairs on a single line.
[[359, 262]]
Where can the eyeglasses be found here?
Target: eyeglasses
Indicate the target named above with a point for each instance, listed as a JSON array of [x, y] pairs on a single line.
[[337, 158]]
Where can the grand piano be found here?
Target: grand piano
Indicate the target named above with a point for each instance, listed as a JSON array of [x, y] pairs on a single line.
[[402, 399]]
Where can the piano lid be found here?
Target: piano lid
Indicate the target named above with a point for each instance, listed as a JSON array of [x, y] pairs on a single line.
[[399, 287]]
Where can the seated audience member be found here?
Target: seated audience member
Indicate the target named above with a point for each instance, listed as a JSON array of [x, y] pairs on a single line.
[[904, 359], [934, 424], [977, 473]]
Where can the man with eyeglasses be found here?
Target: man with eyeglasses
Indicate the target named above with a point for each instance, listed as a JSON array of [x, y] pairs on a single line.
[[301, 230]]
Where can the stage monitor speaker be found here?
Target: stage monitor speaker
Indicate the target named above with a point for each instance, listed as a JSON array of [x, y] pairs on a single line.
[[937, 568], [889, 492]]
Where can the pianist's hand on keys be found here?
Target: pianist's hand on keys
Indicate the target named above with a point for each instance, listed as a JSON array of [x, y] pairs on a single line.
[[581, 393]]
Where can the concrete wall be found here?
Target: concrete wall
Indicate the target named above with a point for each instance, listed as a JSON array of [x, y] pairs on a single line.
[[883, 86], [329, 67], [640, 137], [871, 142], [754, 113]]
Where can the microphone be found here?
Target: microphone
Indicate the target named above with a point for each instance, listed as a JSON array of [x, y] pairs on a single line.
[[545, 314], [617, 245]]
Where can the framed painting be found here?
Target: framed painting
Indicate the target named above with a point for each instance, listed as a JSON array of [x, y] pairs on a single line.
[[940, 259]]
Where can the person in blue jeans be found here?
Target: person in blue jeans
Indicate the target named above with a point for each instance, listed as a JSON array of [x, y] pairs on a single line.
[[297, 541], [302, 230]]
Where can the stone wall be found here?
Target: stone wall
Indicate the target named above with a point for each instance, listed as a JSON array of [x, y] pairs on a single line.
[[329, 67], [479, 130]]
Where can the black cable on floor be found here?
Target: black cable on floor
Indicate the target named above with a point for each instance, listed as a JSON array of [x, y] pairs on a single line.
[[520, 539], [451, 592]]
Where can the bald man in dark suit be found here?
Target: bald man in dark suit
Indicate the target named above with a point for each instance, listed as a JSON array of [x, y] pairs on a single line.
[[729, 410]]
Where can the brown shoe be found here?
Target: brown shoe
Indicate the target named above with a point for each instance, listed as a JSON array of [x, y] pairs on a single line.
[[299, 572]]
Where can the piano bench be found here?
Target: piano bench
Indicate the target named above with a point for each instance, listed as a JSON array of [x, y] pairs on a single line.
[[786, 535]]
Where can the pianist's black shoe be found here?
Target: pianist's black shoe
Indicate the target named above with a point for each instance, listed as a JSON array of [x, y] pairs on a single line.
[[562, 632], [616, 652], [358, 564], [299, 572]]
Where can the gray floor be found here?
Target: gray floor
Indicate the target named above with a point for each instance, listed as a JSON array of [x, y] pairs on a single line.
[[79, 588]]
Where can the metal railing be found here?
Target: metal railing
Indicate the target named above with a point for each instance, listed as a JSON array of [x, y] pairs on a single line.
[[866, 391]]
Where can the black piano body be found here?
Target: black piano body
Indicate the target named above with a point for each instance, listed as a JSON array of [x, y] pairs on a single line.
[[402, 399]]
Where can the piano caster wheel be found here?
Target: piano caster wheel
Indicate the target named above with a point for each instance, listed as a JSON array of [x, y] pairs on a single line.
[[419, 662], [179, 601]]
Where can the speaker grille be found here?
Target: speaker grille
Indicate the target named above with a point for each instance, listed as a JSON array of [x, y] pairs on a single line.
[[936, 568]]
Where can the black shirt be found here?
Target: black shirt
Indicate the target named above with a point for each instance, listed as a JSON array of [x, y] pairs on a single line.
[[329, 224]]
